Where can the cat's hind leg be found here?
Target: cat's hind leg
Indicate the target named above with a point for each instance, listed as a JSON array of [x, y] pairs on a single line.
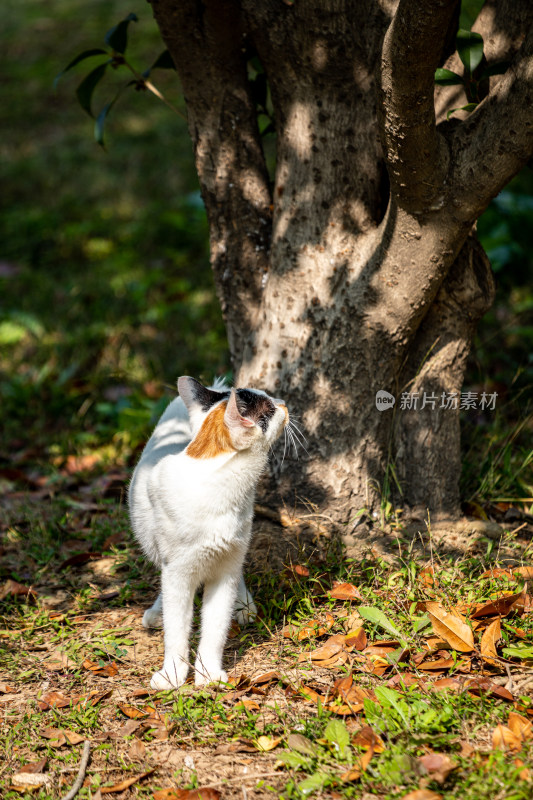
[[245, 608], [153, 617]]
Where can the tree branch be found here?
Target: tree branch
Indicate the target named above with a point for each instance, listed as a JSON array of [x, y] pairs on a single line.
[[496, 140], [502, 24], [416, 154], [208, 46]]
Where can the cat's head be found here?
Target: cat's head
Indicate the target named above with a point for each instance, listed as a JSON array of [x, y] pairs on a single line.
[[225, 420]]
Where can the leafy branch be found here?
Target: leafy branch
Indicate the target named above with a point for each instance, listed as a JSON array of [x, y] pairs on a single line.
[[116, 40], [476, 70]]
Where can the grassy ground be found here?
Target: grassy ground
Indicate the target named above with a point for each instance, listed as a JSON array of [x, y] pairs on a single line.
[[105, 297], [353, 682]]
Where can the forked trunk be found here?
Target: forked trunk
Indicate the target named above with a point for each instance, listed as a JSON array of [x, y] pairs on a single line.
[[352, 271]]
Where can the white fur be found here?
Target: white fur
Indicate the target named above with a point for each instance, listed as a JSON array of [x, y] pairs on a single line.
[[193, 518]]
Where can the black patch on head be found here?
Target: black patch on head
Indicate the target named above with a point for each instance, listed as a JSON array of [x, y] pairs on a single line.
[[256, 407], [207, 398]]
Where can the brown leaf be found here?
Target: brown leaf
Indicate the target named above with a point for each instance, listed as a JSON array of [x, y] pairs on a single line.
[[451, 627], [137, 750], [525, 773], [489, 640], [267, 743], [329, 649], [59, 661], [79, 559], [503, 738], [439, 664], [266, 677], [6, 689], [426, 576], [500, 606], [115, 538], [206, 793], [55, 735], [107, 671], [345, 591], [74, 464], [520, 726], [478, 686], [437, 765], [356, 639], [93, 698], [449, 684], [499, 572], [54, 700], [13, 589], [368, 738], [30, 782], [422, 794], [524, 572], [311, 695], [250, 705], [131, 711], [120, 787], [36, 766], [466, 749]]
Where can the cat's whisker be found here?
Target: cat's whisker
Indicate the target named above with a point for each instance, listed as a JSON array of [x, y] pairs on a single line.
[[292, 439], [299, 437], [296, 427]]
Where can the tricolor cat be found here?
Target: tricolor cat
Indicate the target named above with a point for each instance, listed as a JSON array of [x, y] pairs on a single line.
[[191, 506]]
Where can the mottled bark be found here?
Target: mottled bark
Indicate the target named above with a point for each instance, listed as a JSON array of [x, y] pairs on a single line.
[[357, 265]]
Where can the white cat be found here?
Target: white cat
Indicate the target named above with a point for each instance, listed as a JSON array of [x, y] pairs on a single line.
[[191, 506]]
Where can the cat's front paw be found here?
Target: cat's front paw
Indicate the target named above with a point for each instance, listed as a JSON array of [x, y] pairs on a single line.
[[166, 679], [152, 619], [204, 675], [246, 613]]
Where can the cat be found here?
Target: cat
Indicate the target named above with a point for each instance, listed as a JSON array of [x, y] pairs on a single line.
[[191, 505]]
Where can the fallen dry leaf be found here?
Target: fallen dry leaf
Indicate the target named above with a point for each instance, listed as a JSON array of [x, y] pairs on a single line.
[[266, 743], [503, 738], [439, 664], [437, 765], [265, 677], [451, 627], [524, 572], [363, 760], [6, 689], [520, 726], [478, 686], [79, 559], [206, 793], [55, 735], [30, 782], [107, 671], [500, 606], [120, 787], [137, 750], [446, 683], [356, 639], [489, 640], [131, 711], [54, 700], [59, 661], [13, 589], [35, 767], [345, 591], [525, 773], [422, 794], [368, 738], [309, 694]]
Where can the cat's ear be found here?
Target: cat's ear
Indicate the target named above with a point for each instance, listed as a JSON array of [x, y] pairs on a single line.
[[193, 393], [232, 416]]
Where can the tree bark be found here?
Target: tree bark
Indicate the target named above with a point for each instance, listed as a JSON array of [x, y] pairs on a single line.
[[354, 269]]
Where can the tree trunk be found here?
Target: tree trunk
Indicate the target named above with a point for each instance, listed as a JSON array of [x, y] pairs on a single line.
[[354, 270]]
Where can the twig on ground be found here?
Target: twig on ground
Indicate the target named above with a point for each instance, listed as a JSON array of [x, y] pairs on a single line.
[[81, 773]]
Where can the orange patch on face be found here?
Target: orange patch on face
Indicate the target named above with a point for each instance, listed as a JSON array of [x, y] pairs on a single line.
[[286, 410], [213, 438]]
